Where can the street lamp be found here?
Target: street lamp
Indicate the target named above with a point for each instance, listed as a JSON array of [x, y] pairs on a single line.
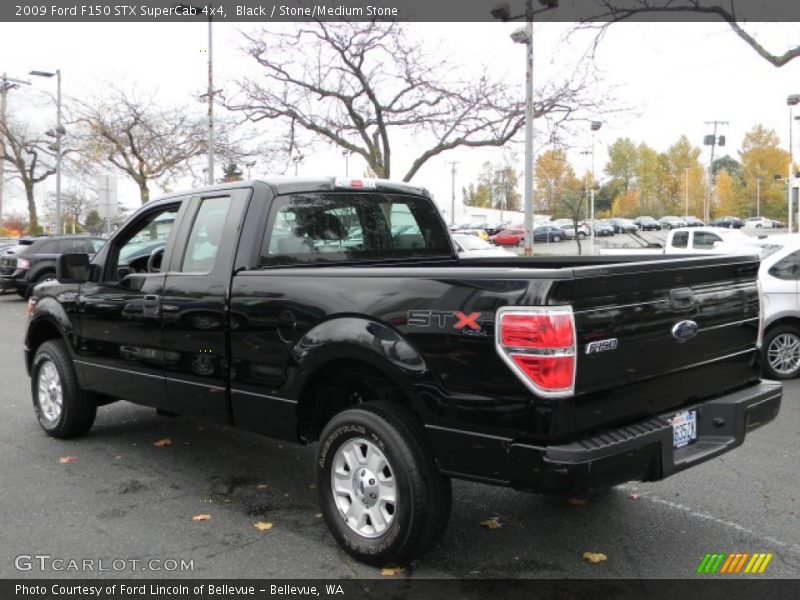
[[686, 175], [791, 101], [524, 35], [595, 126], [57, 133], [249, 165]]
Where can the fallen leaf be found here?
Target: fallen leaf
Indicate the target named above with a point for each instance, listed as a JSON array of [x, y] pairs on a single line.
[[262, 526], [162, 443], [262, 486], [201, 518], [317, 515], [594, 557], [392, 571], [118, 456], [634, 496], [492, 524], [577, 501], [65, 460]]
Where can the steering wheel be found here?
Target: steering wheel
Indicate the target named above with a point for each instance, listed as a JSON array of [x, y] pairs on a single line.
[[154, 262]]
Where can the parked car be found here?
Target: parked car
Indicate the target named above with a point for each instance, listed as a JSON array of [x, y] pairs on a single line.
[[671, 222], [509, 237], [568, 227], [603, 228], [548, 233], [758, 223], [728, 222], [700, 240], [623, 225], [693, 221], [779, 276], [479, 233], [404, 365], [647, 224], [470, 246], [34, 260]]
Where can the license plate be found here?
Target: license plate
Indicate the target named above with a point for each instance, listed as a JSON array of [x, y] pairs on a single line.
[[684, 428]]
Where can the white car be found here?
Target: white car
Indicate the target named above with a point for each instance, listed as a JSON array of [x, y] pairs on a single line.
[[759, 223], [471, 246], [779, 276]]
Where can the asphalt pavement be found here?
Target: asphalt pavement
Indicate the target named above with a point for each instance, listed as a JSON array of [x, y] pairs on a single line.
[[121, 501]]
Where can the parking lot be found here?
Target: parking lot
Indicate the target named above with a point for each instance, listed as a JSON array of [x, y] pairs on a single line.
[[122, 497]]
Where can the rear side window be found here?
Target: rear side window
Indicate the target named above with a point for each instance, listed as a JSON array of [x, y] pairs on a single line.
[[340, 227], [787, 268], [206, 235], [705, 240]]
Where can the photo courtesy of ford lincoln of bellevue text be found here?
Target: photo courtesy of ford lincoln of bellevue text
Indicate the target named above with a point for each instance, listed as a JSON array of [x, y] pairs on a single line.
[[347, 298]]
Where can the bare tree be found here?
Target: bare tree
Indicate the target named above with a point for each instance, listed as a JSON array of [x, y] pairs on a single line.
[[608, 12], [357, 85], [147, 142], [32, 161]]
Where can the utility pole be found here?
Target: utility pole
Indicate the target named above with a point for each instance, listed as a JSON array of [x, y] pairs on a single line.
[[452, 192], [711, 140], [758, 196], [6, 85]]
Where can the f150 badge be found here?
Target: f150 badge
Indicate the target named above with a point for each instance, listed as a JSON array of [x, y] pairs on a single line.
[[447, 319], [601, 346]]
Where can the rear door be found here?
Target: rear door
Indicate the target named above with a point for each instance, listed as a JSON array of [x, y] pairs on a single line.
[[194, 305]]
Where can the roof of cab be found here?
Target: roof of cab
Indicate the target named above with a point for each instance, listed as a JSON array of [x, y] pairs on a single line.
[[296, 185]]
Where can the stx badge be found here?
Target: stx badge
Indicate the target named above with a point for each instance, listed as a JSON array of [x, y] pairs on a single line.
[[466, 323]]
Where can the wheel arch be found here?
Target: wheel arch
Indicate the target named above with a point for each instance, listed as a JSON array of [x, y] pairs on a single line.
[[49, 322]]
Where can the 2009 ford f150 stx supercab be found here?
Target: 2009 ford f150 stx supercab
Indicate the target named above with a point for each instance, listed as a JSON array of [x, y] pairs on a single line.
[[337, 312]]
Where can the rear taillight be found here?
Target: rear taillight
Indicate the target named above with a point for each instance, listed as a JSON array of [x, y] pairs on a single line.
[[23, 264], [539, 345]]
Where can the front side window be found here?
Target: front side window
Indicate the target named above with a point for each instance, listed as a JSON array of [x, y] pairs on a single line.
[[680, 239], [132, 252], [336, 227]]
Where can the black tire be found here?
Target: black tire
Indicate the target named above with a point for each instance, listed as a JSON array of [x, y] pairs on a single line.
[[775, 342], [581, 235], [423, 495], [78, 408]]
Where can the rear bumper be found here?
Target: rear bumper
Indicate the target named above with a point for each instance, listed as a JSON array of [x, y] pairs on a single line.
[[644, 451]]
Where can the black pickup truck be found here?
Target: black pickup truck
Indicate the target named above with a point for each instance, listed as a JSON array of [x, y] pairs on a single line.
[[337, 312]]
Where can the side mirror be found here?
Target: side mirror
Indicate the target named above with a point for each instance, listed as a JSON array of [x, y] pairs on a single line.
[[73, 268]]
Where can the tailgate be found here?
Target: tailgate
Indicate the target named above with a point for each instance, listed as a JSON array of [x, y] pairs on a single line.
[[657, 335]]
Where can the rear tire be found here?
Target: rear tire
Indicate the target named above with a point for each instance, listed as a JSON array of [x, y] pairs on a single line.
[[63, 409], [380, 491], [556, 238], [781, 352]]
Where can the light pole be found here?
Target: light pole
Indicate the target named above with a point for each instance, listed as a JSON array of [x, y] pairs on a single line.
[[791, 101], [297, 160], [524, 35], [58, 133], [453, 192], [249, 165], [595, 126], [758, 196]]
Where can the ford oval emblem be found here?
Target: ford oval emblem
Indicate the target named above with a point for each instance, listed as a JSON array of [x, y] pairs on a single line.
[[683, 331]]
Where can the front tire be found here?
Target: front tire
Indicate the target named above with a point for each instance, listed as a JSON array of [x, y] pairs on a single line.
[[63, 409], [381, 493], [781, 352]]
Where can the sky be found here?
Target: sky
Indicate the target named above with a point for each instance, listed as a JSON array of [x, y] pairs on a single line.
[[667, 79]]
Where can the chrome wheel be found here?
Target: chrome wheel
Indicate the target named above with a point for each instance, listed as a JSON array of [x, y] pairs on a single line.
[[49, 396], [783, 354], [364, 487]]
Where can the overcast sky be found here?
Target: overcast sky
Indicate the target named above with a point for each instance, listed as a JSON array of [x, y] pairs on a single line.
[[672, 77]]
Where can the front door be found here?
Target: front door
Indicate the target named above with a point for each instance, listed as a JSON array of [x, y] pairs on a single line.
[[121, 351]]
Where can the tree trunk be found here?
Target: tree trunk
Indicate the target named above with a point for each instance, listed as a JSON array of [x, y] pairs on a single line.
[[33, 220], [144, 192]]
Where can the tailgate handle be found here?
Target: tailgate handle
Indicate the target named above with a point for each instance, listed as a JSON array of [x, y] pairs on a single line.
[[681, 298]]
